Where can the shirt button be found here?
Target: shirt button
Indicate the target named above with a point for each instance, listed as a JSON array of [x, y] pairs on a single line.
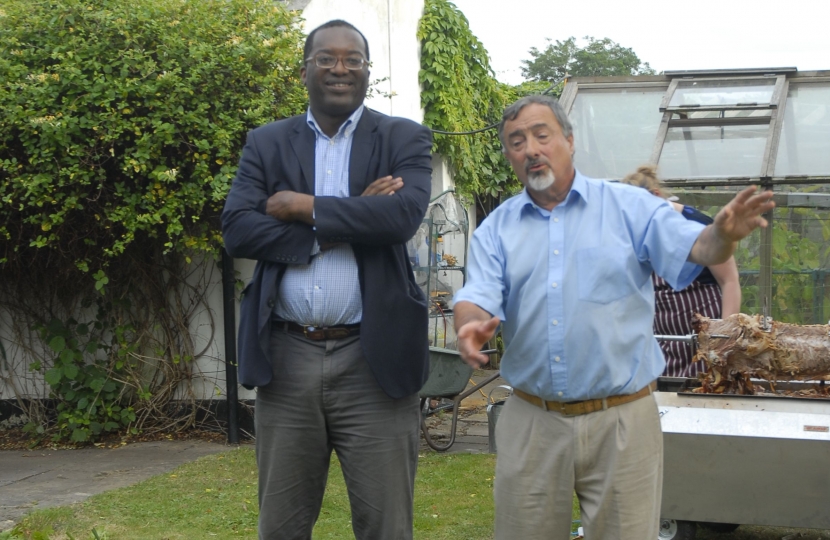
[[555, 322], [559, 394], [554, 285], [556, 252], [557, 359], [556, 220], [316, 287], [328, 171]]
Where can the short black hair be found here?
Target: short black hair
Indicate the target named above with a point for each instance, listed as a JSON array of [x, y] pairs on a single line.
[[331, 24]]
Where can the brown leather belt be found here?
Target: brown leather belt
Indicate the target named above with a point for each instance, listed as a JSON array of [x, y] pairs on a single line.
[[314, 333], [575, 408]]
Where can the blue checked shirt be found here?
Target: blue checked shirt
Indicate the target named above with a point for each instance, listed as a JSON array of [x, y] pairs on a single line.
[[573, 287], [325, 292]]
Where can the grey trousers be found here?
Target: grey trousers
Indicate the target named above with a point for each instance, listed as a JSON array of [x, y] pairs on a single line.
[[324, 397], [613, 459]]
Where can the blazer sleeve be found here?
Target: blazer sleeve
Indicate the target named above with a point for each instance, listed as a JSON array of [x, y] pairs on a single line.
[[247, 230], [389, 219]]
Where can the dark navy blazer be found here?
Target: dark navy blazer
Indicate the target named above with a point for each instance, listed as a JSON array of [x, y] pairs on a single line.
[[280, 156]]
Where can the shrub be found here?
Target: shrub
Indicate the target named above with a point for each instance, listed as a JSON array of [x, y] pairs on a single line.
[[122, 119], [121, 123]]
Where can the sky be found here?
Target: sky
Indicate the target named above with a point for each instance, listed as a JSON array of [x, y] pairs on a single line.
[[668, 34]]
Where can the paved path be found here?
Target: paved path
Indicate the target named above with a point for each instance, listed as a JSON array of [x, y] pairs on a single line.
[[34, 479]]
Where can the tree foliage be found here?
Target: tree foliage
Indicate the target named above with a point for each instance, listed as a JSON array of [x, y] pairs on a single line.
[[599, 57]]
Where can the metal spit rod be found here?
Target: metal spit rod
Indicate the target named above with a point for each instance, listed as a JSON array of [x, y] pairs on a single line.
[[690, 338]]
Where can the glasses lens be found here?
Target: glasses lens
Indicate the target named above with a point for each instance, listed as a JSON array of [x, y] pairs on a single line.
[[325, 61], [353, 62]]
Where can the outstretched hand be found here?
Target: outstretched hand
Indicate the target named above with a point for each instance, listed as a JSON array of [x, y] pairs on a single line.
[[471, 338], [742, 215]]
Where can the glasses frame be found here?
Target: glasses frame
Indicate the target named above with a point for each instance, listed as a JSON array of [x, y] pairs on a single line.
[[341, 59]]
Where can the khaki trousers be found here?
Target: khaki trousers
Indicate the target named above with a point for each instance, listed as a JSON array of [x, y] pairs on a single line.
[[323, 398], [613, 459]]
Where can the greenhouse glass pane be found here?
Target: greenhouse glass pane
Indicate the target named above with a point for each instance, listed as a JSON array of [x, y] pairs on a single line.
[[805, 134], [614, 130], [692, 152], [739, 113], [722, 93]]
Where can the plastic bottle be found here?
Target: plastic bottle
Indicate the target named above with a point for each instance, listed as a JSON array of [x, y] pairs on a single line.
[[422, 256], [439, 250]]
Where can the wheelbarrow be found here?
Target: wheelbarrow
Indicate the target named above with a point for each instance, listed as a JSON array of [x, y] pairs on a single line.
[[448, 378]]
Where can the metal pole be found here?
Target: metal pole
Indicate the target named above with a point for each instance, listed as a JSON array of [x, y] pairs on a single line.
[[229, 310], [765, 284]]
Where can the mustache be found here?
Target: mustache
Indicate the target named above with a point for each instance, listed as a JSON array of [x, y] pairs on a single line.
[[535, 161]]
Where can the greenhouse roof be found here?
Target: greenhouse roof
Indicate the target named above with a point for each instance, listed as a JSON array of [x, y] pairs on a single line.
[[716, 127]]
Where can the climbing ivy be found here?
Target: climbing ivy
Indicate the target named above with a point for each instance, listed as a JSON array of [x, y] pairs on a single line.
[[460, 93]]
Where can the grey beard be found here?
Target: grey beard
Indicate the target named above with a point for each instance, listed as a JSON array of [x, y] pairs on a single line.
[[540, 182]]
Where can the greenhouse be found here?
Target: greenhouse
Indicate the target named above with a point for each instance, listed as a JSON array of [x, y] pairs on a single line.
[[711, 133]]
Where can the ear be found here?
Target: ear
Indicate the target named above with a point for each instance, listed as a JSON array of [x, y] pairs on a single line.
[[303, 74], [570, 140]]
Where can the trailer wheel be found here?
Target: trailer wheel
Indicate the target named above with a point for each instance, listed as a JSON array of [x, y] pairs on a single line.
[[677, 530], [719, 527]]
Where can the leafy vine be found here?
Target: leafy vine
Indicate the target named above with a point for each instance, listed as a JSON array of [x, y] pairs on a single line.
[[459, 94]]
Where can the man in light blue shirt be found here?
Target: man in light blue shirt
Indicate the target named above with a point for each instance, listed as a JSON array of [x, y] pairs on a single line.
[[565, 266]]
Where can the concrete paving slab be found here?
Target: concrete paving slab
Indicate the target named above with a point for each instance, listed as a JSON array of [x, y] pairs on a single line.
[[45, 478]]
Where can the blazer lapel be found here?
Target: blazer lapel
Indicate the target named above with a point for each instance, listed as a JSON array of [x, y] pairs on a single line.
[[304, 145], [363, 146]]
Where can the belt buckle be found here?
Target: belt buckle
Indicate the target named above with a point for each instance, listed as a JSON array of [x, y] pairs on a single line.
[[307, 329]]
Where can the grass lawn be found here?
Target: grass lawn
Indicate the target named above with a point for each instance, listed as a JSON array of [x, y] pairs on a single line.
[[215, 497]]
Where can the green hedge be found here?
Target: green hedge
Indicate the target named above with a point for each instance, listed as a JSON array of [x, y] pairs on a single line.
[[121, 119], [121, 123]]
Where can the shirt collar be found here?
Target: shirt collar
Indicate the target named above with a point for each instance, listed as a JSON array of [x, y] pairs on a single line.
[[579, 188], [346, 129]]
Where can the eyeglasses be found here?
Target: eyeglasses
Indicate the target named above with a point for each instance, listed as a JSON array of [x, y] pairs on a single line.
[[328, 61]]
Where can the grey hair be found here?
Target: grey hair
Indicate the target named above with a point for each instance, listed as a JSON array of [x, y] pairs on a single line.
[[513, 110]]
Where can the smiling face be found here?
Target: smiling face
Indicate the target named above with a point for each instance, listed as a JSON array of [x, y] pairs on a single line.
[[540, 154], [335, 93]]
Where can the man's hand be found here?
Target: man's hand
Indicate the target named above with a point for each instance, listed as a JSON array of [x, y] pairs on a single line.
[[471, 338], [291, 206], [383, 186], [742, 215], [735, 221]]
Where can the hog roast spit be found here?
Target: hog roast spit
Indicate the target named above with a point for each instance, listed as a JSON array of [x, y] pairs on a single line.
[[760, 459]]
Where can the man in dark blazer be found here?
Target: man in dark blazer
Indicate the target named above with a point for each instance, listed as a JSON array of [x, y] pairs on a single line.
[[333, 328]]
